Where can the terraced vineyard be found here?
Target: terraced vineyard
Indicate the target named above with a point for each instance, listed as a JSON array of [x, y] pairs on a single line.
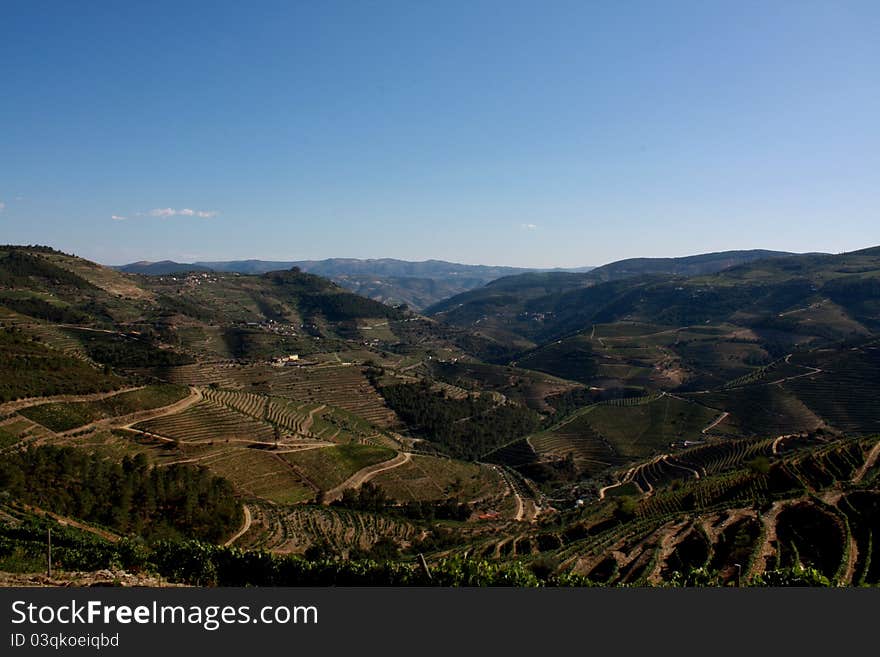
[[261, 474], [209, 421], [726, 454], [731, 488], [660, 471], [294, 529], [635, 430], [822, 467], [49, 334], [724, 422], [306, 420], [862, 512], [247, 403], [17, 432], [577, 437], [64, 416], [345, 387], [342, 386], [813, 535], [223, 374], [516, 454], [729, 516], [843, 395], [760, 410], [434, 478]]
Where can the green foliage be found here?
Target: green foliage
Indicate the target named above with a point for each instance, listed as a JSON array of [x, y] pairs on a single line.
[[784, 577], [127, 351], [694, 577], [70, 415], [759, 465], [788, 577], [572, 359], [384, 550], [23, 548], [128, 497], [568, 402], [30, 369], [450, 509], [21, 269], [464, 428], [626, 508], [368, 497], [41, 309], [313, 295]]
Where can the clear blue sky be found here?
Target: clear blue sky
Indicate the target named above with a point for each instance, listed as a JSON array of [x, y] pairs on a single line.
[[536, 134]]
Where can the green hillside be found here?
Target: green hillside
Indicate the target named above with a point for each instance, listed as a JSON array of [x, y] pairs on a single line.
[[651, 428]]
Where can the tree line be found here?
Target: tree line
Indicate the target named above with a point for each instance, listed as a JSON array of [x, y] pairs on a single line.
[[30, 369], [128, 497], [463, 428]]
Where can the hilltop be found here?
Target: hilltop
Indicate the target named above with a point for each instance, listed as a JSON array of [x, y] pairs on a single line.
[[395, 282], [513, 291]]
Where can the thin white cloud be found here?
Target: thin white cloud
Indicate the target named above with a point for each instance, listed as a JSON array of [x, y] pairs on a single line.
[[528, 226], [117, 217], [183, 212], [2, 206]]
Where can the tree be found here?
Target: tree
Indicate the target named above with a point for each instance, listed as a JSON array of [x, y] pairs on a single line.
[[759, 465], [626, 507]]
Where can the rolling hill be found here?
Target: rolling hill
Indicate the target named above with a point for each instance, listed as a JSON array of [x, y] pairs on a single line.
[[655, 427], [514, 292], [394, 282]]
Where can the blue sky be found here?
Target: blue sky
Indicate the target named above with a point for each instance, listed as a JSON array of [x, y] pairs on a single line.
[[516, 133]]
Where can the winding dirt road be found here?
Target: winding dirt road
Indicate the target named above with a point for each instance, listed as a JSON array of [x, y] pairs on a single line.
[[681, 467], [520, 505], [10, 407], [64, 520], [717, 421], [363, 475], [310, 420], [245, 525], [126, 421]]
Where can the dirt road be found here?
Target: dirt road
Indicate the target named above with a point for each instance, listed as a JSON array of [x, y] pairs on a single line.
[[245, 525], [12, 406], [126, 421], [717, 421], [868, 464], [363, 475], [310, 420], [70, 522]]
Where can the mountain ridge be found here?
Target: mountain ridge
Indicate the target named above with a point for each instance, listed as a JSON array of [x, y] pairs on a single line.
[[417, 284]]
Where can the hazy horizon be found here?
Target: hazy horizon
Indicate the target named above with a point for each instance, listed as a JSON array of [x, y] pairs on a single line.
[[471, 264], [513, 134]]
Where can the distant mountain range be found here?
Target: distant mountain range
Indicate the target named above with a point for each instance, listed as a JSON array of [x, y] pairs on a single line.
[[513, 292], [437, 286], [417, 284]]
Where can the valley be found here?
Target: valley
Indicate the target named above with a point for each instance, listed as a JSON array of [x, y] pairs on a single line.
[[697, 421]]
